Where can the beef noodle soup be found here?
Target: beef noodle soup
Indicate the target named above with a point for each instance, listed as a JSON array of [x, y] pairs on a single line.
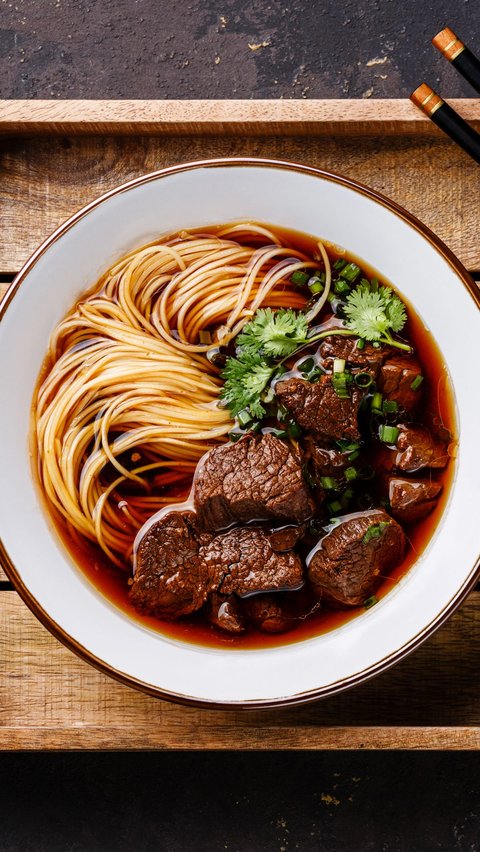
[[243, 436]]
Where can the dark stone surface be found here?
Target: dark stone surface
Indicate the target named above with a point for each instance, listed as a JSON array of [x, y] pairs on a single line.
[[229, 48], [277, 802]]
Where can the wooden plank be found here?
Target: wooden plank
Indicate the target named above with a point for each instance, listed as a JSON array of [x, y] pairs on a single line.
[[239, 117], [43, 181], [50, 699]]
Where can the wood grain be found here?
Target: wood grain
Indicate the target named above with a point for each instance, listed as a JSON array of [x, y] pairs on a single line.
[[44, 181], [239, 117], [48, 697], [51, 699]]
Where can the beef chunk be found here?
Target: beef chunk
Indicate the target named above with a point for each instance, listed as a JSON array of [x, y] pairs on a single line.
[[224, 611], [170, 579], [285, 538], [418, 449], [412, 499], [257, 478], [368, 359], [326, 462], [395, 380], [179, 567], [267, 613], [347, 565], [318, 409], [250, 564]]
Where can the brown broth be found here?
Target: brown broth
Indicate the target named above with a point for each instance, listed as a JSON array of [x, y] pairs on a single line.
[[437, 402]]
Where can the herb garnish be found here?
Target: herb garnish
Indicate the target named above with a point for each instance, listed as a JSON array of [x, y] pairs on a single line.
[[374, 311], [375, 531], [276, 333]]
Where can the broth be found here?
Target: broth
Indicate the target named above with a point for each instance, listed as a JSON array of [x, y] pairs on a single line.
[[437, 406]]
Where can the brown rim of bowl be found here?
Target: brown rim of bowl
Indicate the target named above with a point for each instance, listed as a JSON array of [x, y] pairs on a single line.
[[309, 695]]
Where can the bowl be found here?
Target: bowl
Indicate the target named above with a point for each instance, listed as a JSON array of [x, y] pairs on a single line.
[[70, 261]]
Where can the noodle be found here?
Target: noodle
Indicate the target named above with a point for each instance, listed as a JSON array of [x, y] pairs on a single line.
[[128, 397]]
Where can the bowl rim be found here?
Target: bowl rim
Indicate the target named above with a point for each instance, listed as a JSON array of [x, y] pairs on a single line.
[[318, 692]]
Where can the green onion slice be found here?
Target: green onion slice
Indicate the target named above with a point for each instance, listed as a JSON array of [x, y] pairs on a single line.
[[388, 434], [416, 383], [329, 483], [299, 278], [363, 380]]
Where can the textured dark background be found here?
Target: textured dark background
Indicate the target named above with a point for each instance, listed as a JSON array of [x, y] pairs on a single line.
[[278, 802], [228, 48]]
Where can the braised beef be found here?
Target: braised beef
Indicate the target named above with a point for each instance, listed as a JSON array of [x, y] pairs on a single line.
[[285, 538], [225, 612], [369, 359], [325, 461], [350, 561], [412, 499], [256, 478], [170, 578], [268, 615], [319, 410], [178, 566], [250, 564], [418, 449], [395, 380]]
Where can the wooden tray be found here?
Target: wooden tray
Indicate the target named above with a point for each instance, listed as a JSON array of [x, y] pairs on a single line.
[[55, 156]]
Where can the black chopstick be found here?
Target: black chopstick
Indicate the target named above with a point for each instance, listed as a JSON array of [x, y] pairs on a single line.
[[459, 55], [447, 120]]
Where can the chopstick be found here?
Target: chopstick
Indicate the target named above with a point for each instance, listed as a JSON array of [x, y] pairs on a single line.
[[460, 56], [447, 120]]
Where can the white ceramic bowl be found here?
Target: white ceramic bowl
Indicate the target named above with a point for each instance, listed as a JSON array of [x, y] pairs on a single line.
[[70, 261]]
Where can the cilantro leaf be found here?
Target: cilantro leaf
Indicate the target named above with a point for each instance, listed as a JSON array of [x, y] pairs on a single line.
[[245, 379], [374, 312], [277, 334]]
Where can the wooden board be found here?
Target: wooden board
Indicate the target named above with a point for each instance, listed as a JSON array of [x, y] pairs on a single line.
[[234, 117], [52, 700], [53, 159]]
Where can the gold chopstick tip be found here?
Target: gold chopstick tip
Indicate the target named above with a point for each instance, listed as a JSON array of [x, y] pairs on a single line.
[[447, 43], [426, 99]]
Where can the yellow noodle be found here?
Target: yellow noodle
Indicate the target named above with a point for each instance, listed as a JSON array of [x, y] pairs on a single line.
[[128, 395]]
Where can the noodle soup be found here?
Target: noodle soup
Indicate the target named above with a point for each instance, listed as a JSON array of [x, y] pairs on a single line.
[[132, 396]]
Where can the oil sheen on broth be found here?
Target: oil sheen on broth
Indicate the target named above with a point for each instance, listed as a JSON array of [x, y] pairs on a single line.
[[435, 411]]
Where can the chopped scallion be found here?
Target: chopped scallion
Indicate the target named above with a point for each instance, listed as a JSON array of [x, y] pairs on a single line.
[[388, 434], [347, 446], [334, 506], [363, 380], [340, 382], [299, 278], [390, 406], [350, 272], [244, 417], [339, 264], [416, 383], [377, 401], [315, 285], [339, 365], [315, 375], [340, 287], [329, 483], [371, 601], [375, 531], [351, 474], [306, 366], [360, 343], [353, 455]]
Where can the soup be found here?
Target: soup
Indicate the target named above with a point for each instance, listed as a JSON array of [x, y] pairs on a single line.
[[243, 436]]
